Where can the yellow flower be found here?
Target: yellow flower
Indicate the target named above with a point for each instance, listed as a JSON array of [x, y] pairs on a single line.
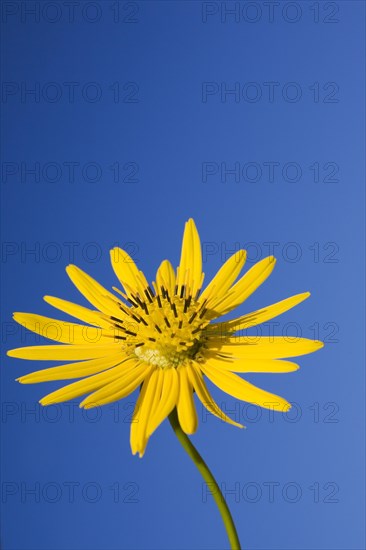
[[163, 339]]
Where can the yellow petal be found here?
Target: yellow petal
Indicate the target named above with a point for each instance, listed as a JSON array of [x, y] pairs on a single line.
[[140, 418], [62, 331], [245, 286], [205, 397], [156, 398], [187, 413], [224, 278], [83, 386], [73, 370], [63, 353], [129, 380], [251, 365], [264, 347], [241, 389], [132, 279], [190, 266], [197, 275], [165, 277], [261, 315], [134, 443], [168, 400], [90, 316], [95, 293]]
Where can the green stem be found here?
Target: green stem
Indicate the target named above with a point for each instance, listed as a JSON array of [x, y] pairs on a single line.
[[209, 479]]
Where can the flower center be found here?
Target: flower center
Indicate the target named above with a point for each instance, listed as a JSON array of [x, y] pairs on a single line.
[[164, 329], [167, 356]]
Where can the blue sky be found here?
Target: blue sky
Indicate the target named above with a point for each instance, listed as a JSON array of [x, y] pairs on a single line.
[[120, 120]]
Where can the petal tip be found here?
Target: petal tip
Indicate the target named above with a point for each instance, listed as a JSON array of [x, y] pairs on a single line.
[[115, 250], [85, 405], [71, 268], [24, 380], [135, 451]]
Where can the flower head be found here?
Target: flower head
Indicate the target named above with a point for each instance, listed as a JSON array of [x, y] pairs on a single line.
[[163, 338]]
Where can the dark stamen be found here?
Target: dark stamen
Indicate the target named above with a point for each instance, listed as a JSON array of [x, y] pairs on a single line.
[[158, 329], [167, 322], [125, 311], [182, 290], [136, 318], [192, 317], [148, 296], [187, 303], [116, 319], [144, 307], [174, 309], [139, 301], [203, 312], [132, 302]]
